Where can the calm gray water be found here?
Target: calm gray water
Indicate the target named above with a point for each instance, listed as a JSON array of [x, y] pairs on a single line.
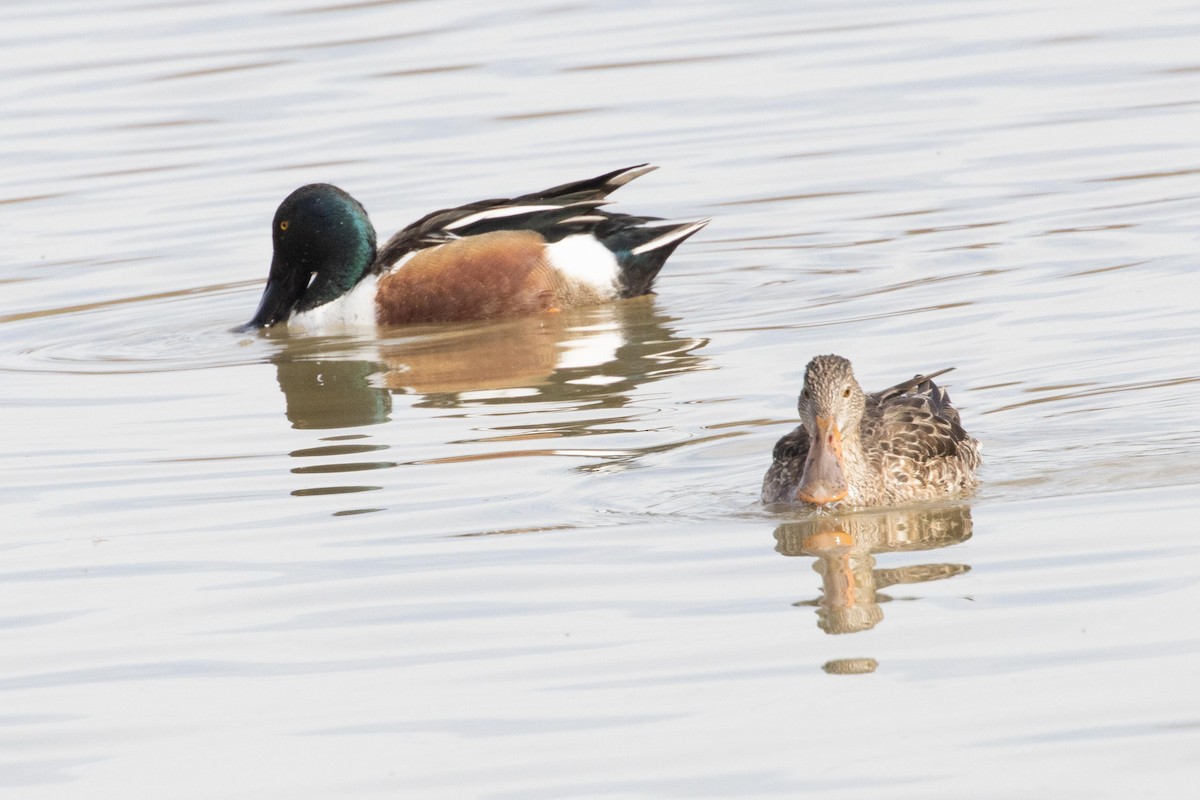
[[526, 559]]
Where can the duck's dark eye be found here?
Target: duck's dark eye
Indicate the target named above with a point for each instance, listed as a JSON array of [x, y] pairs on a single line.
[[283, 225], [804, 394], [846, 392]]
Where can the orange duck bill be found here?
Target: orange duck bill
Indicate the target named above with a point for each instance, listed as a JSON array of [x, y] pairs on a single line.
[[824, 479]]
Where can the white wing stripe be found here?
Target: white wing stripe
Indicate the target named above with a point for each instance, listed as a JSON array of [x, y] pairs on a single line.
[[668, 238], [630, 174], [496, 213]]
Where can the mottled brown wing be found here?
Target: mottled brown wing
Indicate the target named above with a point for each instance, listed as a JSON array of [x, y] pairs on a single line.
[[915, 420], [787, 467], [918, 384]]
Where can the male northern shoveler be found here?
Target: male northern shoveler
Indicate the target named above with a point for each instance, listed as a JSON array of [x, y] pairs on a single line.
[[543, 251], [900, 445]]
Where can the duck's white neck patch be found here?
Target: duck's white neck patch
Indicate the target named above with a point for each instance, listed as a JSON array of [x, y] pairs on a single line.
[[354, 309], [582, 258]]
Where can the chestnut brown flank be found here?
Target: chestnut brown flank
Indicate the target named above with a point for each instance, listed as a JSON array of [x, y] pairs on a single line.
[[493, 275]]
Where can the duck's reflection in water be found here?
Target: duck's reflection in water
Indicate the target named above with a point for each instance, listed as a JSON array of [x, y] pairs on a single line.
[[584, 358], [845, 546], [589, 356], [323, 393], [592, 355]]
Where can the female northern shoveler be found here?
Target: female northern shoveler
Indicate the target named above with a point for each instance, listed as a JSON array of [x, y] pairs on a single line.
[[544, 251], [899, 445]]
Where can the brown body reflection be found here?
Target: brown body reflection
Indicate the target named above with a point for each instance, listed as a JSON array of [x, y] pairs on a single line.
[[596, 355], [591, 358], [845, 547], [508, 354]]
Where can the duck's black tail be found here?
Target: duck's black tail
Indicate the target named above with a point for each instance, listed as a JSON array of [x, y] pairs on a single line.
[[642, 245]]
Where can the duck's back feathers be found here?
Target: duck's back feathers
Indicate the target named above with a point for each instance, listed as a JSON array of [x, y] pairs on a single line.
[[640, 245], [915, 421], [919, 384], [555, 213]]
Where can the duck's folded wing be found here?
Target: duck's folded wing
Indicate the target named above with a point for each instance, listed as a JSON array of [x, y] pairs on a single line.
[[555, 213], [787, 467], [919, 424]]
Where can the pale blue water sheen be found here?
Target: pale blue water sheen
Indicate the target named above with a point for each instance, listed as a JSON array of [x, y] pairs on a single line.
[[526, 559]]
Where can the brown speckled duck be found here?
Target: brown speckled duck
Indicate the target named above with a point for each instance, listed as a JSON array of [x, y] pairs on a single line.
[[900, 445]]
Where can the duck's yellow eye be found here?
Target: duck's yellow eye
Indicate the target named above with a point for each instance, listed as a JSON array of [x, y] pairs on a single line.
[[283, 225]]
